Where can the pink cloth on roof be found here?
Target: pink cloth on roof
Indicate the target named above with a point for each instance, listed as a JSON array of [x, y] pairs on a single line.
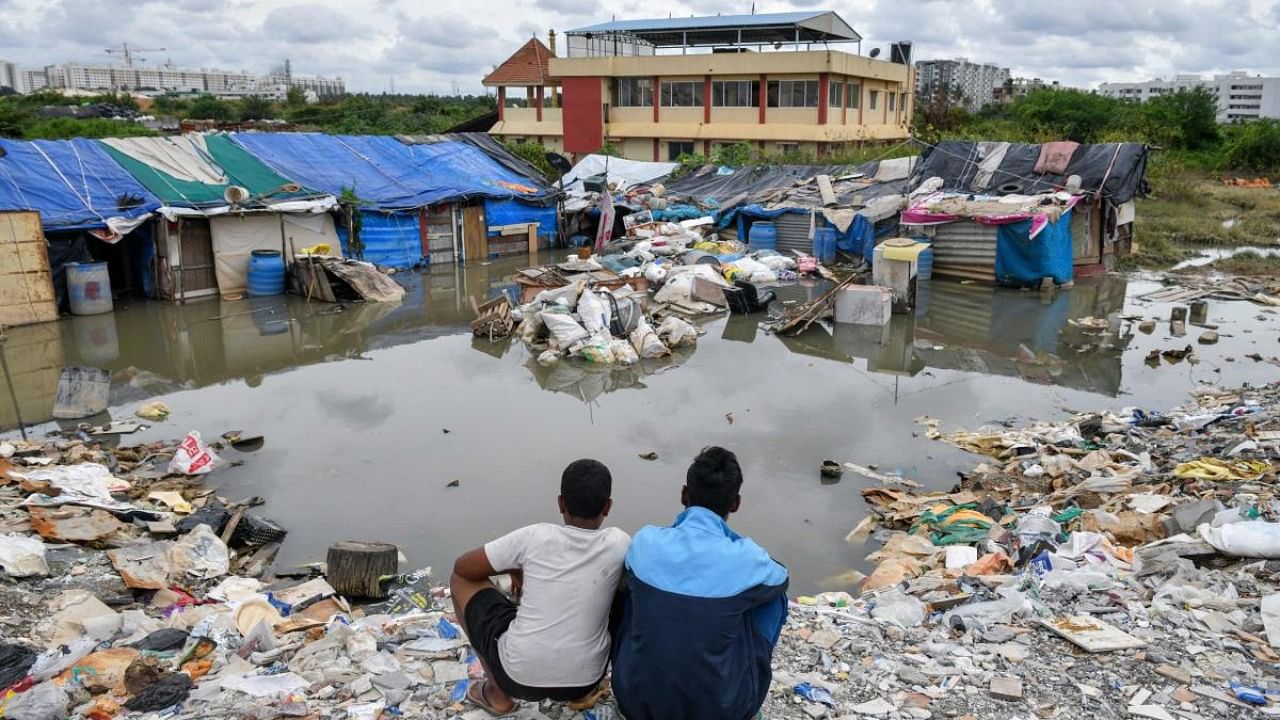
[[1054, 157]]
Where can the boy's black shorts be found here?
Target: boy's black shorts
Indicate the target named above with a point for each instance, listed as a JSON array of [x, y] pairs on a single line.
[[488, 616]]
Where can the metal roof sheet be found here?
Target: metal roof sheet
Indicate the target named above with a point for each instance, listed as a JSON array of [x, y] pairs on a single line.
[[714, 21]]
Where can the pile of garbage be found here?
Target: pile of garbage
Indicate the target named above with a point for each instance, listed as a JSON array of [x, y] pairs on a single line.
[[1115, 564], [129, 590]]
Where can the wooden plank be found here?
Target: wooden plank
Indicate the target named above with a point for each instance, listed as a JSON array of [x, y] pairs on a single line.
[[26, 285], [533, 238]]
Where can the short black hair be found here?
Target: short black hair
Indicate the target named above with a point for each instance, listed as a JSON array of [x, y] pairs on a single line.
[[586, 486], [714, 480]]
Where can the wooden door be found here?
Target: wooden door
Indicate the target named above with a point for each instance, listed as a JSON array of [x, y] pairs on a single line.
[[475, 236], [196, 257]]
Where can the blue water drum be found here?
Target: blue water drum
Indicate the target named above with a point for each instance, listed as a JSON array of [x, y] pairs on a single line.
[[824, 244], [763, 236], [266, 273], [924, 264]]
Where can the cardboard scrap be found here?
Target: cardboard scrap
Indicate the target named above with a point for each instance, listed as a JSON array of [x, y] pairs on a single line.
[[1091, 634]]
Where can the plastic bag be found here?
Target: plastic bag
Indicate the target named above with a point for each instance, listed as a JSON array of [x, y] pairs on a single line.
[[899, 608], [676, 332], [548, 357], [531, 328], [655, 274], [201, 554], [564, 330], [193, 456], [22, 556], [62, 657], [777, 262], [992, 612], [45, 701], [594, 311], [677, 288], [1254, 539]]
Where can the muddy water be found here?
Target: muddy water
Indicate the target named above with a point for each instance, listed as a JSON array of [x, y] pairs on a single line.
[[354, 404]]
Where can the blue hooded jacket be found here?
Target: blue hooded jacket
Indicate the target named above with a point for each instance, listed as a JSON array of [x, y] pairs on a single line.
[[702, 612]]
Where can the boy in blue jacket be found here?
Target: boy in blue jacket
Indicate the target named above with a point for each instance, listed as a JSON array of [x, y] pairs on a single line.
[[702, 611]]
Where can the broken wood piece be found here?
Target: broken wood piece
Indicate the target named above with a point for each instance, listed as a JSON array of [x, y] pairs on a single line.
[[355, 568]]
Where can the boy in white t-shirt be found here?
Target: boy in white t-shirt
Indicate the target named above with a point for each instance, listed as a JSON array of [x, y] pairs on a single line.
[[554, 645]]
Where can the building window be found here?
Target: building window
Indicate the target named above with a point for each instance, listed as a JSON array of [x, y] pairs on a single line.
[[682, 94], [855, 95], [634, 92], [678, 149], [789, 148], [835, 95], [902, 101], [892, 100], [793, 93], [872, 96], [735, 93]]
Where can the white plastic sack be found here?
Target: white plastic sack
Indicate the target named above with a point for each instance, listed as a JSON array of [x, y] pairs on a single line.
[[655, 274], [1254, 539], [646, 342], [676, 332], [530, 328], [594, 312], [778, 262], [22, 556], [193, 456], [45, 701], [548, 357], [88, 484], [564, 330], [748, 268], [677, 288], [597, 350], [623, 353]]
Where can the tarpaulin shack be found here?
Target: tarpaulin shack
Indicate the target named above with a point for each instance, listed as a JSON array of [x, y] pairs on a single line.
[[433, 198], [1017, 213], [219, 204], [863, 203], [81, 194]]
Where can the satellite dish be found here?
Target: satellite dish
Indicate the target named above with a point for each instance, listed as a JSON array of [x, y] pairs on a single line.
[[875, 52], [235, 195]]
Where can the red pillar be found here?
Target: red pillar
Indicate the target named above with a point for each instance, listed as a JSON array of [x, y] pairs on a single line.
[[824, 97], [657, 99], [655, 149], [706, 99], [706, 148], [537, 103], [502, 100], [764, 96]]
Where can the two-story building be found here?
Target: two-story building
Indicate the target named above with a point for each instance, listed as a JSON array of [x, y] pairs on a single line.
[[659, 89]]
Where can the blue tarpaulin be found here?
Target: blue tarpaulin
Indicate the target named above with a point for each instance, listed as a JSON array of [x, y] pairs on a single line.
[[514, 212], [1022, 260], [388, 174], [74, 184], [390, 239], [859, 239]]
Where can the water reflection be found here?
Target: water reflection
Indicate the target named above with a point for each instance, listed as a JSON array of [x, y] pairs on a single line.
[[154, 348], [982, 329]]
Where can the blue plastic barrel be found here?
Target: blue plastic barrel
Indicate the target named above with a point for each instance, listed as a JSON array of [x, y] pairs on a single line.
[[763, 236], [924, 264], [89, 288], [824, 244], [266, 273]]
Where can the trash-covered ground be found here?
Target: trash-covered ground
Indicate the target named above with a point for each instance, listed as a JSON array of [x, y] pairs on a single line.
[[1111, 564]]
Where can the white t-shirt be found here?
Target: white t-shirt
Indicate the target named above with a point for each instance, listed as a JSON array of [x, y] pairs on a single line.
[[560, 637]]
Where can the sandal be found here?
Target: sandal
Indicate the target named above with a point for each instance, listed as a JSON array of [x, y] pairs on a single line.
[[480, 700]]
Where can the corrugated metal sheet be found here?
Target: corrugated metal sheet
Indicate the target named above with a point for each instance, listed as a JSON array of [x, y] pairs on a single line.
[[965, 249], [390, 239], [793, 233]]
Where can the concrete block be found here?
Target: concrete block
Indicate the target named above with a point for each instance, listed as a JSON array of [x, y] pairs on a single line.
[[864, 305]]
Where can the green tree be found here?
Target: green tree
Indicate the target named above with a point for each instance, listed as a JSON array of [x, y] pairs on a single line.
[[256, 108], [1188, 118], [208, 107], [295, 97], [1254, 147], [14, 118], [1068, 114], [536, 155], [736, 155]]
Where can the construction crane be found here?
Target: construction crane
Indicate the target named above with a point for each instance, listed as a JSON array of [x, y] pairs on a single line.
[[127, 52]]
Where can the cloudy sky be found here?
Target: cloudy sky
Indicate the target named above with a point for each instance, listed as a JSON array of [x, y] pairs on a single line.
[[443, 46]]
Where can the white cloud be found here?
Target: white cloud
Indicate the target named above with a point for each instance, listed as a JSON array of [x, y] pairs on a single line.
[[437, 46]]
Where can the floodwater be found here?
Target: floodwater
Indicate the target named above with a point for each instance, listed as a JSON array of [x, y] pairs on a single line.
[[355, 404], [1210, 255]]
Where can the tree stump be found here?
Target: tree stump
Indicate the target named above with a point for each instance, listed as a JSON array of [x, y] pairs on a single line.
[[354, 567]]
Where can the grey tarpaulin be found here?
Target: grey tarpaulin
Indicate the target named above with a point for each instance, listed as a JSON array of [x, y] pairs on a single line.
[[1123, 166]]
